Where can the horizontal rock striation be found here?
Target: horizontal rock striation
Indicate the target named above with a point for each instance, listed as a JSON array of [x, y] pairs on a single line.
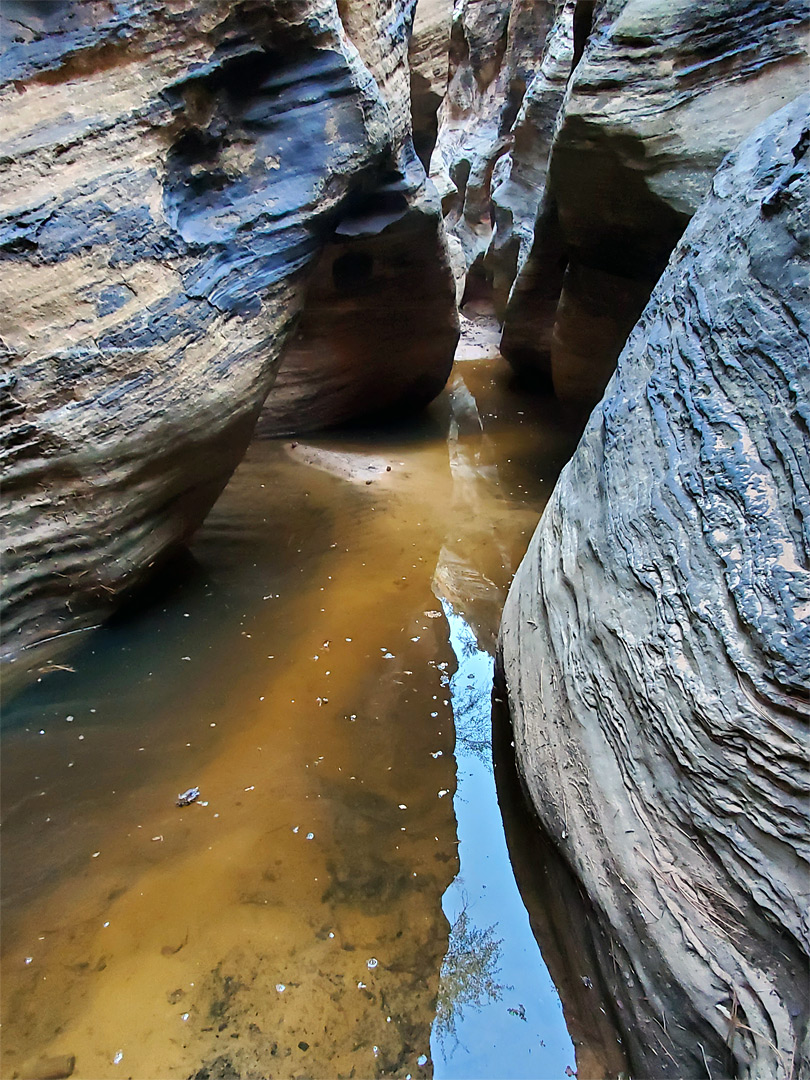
[[380, 325], [656, 639], [659, 93], [171, 175]]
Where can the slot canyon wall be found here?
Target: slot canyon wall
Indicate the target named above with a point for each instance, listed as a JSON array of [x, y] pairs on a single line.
[[655, 643], [575, 142], [177, 180]]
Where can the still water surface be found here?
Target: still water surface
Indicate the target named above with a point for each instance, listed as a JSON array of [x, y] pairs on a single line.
[[339, 901]]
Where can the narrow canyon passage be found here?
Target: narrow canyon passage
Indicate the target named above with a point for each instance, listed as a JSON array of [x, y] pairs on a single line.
[[339, 900]]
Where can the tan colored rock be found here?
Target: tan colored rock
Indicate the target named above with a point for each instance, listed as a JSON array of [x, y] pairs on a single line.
[[380, 325], [428, 60], [170, 178], [656, 642], [496, 48], [663, 91]]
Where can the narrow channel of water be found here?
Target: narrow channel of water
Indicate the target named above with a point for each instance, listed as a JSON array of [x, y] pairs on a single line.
[[339, 901]]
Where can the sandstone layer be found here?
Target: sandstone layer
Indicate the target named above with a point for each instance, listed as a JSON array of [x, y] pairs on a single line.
[[658, 94], [656, 640], [171, 178], [495, 50]]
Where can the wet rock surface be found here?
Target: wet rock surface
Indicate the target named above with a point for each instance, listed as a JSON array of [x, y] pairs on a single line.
[[171, 177], [655, 640]]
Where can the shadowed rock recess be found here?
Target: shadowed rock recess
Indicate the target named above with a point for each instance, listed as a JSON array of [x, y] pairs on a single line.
[[656, 641], [172, 175], [658, 94], [575, 141]]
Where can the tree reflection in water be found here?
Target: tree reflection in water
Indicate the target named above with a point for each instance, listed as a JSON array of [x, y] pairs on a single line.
[[471, 690], [468, 978]]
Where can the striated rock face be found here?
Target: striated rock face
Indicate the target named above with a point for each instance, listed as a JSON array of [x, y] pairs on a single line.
[[171, 176], [495, 50], [656, 639], [659, 94], [428, 60]]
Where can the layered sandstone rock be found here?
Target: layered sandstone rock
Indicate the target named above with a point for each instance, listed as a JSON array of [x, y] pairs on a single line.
[[495, 50], [428, 61], [171, 177], [661, 93], [656, 640]]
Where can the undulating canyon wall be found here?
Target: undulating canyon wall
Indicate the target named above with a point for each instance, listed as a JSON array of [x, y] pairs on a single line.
[[576, 141], [656, 639], [175, 179]]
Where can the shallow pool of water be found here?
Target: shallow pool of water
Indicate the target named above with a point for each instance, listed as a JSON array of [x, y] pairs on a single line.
[[339, 901]]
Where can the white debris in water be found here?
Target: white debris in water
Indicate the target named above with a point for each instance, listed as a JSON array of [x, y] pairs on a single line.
[[185, 1016], [372, 963], [69, 719], [443, 792], [251, 788], [331, 933], [118, 1057], [106, 924], [280, 987], [402, 806], [296, 828], [437, 754], [376, 1050], [96, 854], [361, 986], [310, 836], [29, 960], [422, 1059]]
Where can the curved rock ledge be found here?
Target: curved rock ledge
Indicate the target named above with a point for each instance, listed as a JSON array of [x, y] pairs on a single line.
[[171, 175], [658, 94], [656, 640]]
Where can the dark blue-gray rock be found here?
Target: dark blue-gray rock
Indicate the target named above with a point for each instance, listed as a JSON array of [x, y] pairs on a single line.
[[171, 175], [656, 639]]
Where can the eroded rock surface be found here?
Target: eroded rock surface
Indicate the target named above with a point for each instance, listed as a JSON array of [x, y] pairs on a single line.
[[495, 50], [656, 640], [171, 178], [659, 93]]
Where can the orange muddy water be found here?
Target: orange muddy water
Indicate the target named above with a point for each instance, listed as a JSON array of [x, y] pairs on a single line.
[[339, 900]]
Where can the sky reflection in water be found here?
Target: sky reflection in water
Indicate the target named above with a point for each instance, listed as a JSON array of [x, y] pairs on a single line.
[[498, 1014]]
